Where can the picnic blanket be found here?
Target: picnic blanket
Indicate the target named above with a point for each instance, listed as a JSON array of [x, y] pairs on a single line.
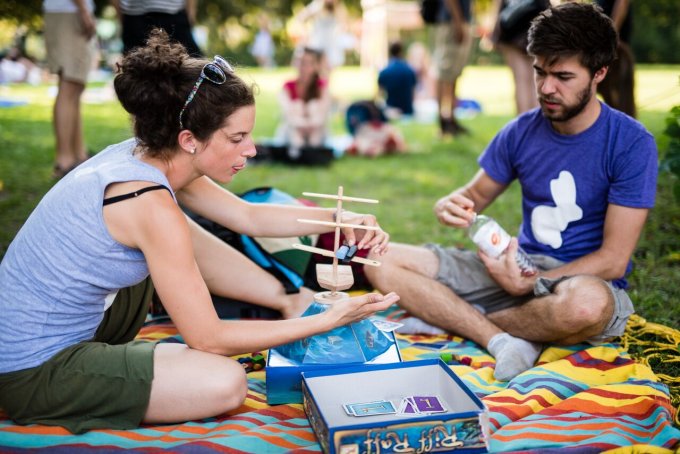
[[579, 399]]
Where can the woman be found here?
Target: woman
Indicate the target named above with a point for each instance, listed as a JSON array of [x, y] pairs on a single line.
[[327, 35], [305, 106], [95, 237]]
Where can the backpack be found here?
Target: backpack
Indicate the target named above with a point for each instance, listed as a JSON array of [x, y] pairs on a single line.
[[515, 18], [274, 255], [429, 10], [360, 112]]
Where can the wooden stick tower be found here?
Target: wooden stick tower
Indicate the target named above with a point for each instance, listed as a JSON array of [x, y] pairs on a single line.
[[335, 277]]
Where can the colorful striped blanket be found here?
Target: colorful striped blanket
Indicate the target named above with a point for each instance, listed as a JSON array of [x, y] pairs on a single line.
[[580, 399]]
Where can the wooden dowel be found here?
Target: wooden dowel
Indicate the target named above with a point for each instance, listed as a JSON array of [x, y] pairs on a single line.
[[333, 224], [335, 197], [327, 253], [314, 250], [336, 238], [365, 261]]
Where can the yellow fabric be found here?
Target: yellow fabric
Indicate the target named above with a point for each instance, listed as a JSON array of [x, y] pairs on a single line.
[[659, 343]]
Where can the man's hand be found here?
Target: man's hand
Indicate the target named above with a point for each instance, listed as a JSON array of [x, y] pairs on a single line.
[[87, 22], [458, 30], [505, 271], [455, 210]]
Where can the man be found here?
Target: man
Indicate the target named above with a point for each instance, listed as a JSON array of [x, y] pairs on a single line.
[[139, 17], [398, 81], [71, 47], [618, 88], [588, 177], [453, 41]]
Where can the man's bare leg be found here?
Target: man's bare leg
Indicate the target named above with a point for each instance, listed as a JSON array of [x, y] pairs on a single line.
[[67, 124], [411, 271], [579, 309]]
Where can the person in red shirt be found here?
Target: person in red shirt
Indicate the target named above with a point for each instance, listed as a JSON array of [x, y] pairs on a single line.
[[305, 105]]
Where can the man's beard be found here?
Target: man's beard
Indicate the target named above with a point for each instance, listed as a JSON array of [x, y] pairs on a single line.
[[571, 111]]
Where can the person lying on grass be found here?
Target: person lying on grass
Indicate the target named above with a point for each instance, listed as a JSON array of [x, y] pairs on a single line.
[[76, 282]]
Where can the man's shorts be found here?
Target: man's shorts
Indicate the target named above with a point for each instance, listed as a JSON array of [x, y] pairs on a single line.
[[464, 273], [450, 56], [103, 383], [69, 53]]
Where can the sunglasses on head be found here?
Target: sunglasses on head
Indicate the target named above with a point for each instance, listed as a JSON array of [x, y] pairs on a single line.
[[216, 72]]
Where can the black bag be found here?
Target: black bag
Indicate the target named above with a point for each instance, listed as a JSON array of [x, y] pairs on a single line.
[[430, 9], [516, 16], [307, 155]]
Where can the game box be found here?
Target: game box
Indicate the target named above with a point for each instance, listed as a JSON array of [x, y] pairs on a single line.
[[283, 375], [415, 406]]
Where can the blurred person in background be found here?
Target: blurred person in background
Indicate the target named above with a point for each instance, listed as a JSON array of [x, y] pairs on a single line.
[[510, 38], [453, 41], [618, 88], [139, 17], [71, 46], [398, 81], [305, 105]]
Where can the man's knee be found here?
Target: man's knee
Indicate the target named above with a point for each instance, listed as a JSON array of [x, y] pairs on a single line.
[[588, 301]]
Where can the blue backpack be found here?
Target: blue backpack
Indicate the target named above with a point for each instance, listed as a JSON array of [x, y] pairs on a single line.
[[289, 266]]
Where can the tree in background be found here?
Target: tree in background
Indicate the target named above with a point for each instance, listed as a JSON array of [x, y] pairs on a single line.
[[232, 25], [656, 35]]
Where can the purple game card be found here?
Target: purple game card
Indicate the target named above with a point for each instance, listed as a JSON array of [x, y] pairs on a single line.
[[428, 404]]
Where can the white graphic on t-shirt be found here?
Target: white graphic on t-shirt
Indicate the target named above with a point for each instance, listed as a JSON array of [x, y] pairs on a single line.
[[548, 222]]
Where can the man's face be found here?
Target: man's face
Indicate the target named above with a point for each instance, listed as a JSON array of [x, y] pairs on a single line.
[[565, 88]]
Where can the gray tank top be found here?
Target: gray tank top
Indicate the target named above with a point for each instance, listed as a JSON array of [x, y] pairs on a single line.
[[63, 263]]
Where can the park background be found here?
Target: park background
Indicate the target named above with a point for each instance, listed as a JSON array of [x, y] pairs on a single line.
[[407, 185]]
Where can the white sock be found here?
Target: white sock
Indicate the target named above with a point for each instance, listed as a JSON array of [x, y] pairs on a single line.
[[414, 325], [513, 355]]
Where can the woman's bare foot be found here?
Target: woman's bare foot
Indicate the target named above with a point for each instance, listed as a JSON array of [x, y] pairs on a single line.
[[298, 303]]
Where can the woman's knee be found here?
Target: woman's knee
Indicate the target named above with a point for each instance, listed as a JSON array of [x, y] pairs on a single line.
[[207, 384], [230, 384]]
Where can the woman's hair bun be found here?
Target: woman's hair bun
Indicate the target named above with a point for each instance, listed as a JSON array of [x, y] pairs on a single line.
[[151, 75]]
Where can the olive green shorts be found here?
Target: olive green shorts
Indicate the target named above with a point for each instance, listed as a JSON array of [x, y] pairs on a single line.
[[101, 384]]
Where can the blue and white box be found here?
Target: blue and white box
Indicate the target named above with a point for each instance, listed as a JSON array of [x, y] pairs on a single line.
[[284, 375], [462, 426]]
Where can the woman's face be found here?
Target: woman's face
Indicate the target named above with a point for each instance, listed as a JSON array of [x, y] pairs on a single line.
[[226, 152], [308, 66]]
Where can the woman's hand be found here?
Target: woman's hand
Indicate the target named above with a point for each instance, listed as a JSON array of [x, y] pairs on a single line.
[[377, 240], [358, 308], [455, 210]]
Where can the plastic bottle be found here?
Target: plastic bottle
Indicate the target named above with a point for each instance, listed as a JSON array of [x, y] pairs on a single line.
[[490, 237]]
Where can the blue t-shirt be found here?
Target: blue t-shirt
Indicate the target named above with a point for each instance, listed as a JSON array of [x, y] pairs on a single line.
[[568, 181], [399, 81]]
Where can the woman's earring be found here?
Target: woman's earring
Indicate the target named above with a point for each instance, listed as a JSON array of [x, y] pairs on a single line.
[[193, 150]]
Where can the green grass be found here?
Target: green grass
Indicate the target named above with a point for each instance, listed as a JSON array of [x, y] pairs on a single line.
[[407, 185]]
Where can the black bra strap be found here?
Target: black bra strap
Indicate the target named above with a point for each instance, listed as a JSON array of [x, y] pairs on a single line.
[[130, 195]]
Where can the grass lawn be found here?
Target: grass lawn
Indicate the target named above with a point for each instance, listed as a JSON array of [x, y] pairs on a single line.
[[407, 185]]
